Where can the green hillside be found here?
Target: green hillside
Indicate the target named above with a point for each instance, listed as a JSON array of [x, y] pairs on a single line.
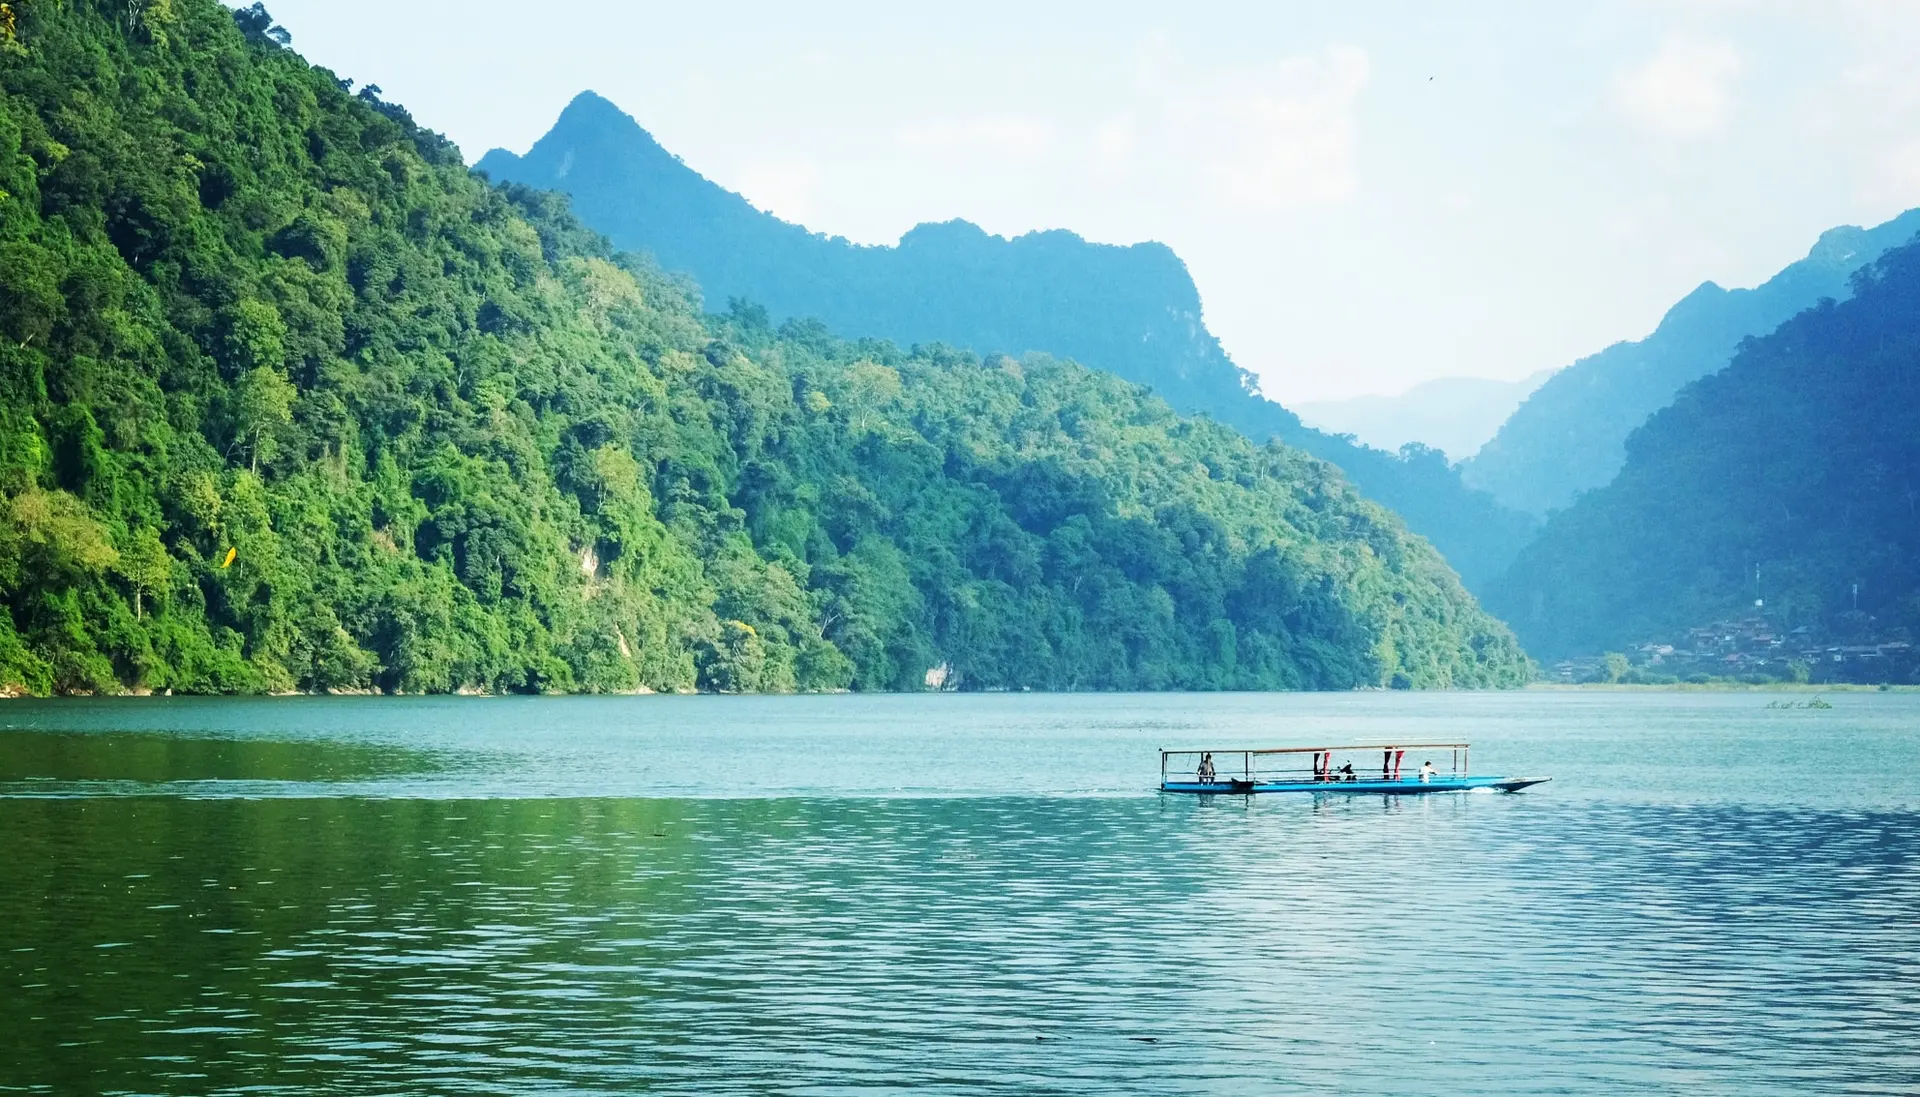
[[1797, 462], [1570, 435], [1133, 311], [292, 401]]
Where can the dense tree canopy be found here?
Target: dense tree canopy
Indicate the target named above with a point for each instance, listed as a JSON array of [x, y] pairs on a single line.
[[1133, 311], [1800, 461], [292, 401]]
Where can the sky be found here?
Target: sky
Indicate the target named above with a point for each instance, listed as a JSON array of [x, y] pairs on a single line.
[[1367, 194]]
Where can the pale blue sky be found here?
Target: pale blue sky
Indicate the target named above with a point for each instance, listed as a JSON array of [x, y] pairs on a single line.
[[1368, 194]]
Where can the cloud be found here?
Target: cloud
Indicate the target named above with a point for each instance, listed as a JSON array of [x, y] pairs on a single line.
[[1256, 139], [1685, 90], [1113, 145], [1898, 179], [1281, 137], [1008, 136]]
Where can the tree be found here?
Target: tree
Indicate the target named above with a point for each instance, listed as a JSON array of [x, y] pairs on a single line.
[[31, 303], [150, 17], [1616, 666], [255, 336], [870, 389], [260, 27], [266, 405], [146, 565], [736, 661], [57, 537]]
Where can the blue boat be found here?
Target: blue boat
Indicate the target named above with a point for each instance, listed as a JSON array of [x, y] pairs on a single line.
[[1328, 770]]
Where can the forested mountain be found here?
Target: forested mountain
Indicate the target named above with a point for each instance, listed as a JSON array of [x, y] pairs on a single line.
[[1456, 415], [1801, 459], [291, 400], [1570, 434], [1133, 311]]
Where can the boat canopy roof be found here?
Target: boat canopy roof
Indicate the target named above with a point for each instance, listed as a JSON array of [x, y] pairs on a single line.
[[1321, 750]]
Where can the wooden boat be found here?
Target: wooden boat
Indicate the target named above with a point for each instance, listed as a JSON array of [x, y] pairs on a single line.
[[1327, 769]]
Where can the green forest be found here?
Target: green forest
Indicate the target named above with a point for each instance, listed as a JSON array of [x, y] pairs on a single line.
[[1133, 311], [293, 401], [1787, 478]]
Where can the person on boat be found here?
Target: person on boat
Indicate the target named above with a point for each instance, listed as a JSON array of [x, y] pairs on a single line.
[[1206, 769], [1426, 772], [1346, 772]]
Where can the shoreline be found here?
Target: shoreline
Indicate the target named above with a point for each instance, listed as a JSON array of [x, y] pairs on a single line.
[[1720, 687], [475, 694]]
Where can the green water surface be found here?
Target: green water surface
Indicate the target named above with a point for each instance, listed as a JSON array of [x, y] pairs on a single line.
[[766, 895]]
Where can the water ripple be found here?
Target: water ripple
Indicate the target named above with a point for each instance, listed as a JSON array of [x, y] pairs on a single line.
[[1461, 945], [464, 907]]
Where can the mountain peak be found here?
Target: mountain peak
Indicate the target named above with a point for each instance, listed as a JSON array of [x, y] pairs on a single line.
[[588, 99], [956, 231], [1702, 302], [1837, 245], [592, 111], [1130, 309], [1570, 436]]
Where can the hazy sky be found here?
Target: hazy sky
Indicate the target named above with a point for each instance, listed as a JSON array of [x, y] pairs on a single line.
[[1367, 194]]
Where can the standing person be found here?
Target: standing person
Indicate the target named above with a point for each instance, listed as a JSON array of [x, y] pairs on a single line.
[[1426, 772], [1206, 769]]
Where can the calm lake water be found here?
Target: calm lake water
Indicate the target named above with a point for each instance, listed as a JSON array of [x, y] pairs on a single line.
[[953, 893]]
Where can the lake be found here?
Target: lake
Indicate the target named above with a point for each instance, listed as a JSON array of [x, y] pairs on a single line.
[[978, 893]]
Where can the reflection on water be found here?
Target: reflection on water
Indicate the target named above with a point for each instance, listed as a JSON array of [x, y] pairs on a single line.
[[131, 761], [1564, 942]]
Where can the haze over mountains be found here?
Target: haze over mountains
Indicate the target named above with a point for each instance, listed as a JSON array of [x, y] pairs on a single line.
[[1453, 414], [1791, 478], [1570, 435], [1133, 311]]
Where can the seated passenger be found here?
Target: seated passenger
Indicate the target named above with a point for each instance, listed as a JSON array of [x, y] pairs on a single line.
[[1206, 769], [1426, 772], [1346, 772]]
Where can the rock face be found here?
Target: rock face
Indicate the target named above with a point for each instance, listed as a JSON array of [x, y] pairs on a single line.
[[1132, 311], [1570, 435]]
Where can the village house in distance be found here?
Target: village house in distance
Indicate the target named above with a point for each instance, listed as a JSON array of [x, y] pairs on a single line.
[[1758, 651]]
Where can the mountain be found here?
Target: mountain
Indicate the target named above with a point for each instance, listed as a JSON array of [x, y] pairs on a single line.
[[1800, 460], [1452, 414], [289, 399], [1569, 436], [1133, 311]]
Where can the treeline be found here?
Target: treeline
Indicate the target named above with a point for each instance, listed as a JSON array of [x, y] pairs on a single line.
[[289, 400]]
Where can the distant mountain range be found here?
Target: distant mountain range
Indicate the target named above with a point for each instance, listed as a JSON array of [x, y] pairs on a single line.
[[1791, 477], [1570, 435], [1453, 414], [1133, 311]]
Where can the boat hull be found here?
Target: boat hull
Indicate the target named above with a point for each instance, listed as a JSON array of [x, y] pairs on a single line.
[[1406, 786]]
